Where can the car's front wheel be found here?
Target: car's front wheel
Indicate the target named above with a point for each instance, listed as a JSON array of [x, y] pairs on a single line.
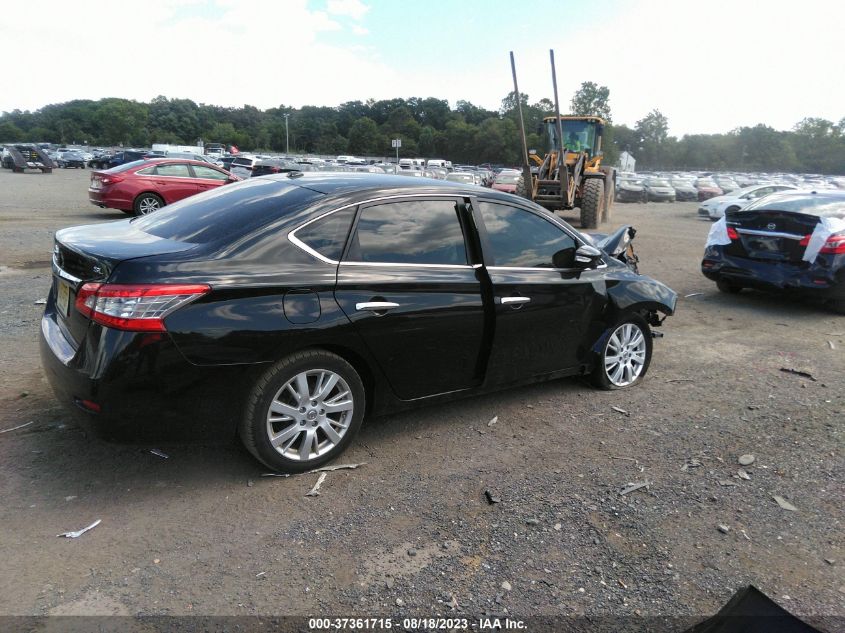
[[625, 354], [303, 412], [147, 203]]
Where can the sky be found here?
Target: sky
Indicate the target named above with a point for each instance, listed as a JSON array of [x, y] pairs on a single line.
[[708, 66]]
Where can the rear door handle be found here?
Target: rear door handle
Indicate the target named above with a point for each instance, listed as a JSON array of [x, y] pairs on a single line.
[[514, 300], [376, 306]]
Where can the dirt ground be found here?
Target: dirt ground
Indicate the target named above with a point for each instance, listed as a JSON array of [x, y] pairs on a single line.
[[411, 531]]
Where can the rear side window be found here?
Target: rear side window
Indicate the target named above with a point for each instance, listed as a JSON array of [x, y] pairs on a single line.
[[327, 236], [521, 239], [410, 232]]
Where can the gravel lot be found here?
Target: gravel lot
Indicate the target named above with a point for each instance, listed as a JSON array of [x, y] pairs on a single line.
[[411, 532]]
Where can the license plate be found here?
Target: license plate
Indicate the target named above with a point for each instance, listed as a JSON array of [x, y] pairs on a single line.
[[63, 298]]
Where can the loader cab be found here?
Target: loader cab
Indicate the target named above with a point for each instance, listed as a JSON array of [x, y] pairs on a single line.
[[580, 134]]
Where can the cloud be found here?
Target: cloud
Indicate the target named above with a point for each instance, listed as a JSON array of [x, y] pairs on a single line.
[[354, 9], [359, 30]]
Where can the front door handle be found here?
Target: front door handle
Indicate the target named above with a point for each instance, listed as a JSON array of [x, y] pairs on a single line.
[[376, 306], [514, 300]]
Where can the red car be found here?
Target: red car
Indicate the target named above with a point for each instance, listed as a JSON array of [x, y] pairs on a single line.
[[144, 186], [707, 189], [506, 181]]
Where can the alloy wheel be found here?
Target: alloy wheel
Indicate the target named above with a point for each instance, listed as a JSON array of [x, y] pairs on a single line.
[[625, 354], [310, 414], [148, 205]]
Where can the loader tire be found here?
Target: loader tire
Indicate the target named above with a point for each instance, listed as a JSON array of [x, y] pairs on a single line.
[[592, 203], [521, 189]]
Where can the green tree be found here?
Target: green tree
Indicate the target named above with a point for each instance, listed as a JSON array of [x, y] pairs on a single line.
[[365, 138], [653, 131], [11, 132], [427, 145], [591, 99]]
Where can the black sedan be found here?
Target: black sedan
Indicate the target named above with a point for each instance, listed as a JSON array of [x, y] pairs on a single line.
[[790, 242], [286, 308], [71, 160]]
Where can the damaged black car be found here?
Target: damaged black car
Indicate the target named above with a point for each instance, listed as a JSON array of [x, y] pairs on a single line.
[[285, 309], [789, 242]]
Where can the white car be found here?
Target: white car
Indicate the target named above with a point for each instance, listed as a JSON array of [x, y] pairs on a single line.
[[715, 208]]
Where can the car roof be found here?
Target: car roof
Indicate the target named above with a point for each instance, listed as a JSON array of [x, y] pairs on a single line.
[[191, 161], [365, 183]]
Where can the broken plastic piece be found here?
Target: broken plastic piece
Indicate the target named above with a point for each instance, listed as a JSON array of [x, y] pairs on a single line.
[[79, 533], [315, 491]]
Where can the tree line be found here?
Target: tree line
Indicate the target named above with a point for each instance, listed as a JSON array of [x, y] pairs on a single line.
[[428, 127]]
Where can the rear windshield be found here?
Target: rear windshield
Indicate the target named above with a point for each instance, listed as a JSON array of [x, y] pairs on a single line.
[[818, 204], [227, 212]]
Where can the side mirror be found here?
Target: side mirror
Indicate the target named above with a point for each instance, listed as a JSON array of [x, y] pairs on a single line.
[[587, 256]]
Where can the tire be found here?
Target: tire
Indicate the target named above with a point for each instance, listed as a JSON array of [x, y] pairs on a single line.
[[727, 287], [521, 189], [631, 338], [147, 203], [307, 436], [592, 203]]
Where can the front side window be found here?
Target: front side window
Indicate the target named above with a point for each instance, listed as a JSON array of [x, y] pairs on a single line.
[[521, 239], [410, 232]]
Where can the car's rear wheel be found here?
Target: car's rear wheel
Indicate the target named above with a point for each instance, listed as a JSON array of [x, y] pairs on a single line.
[[728, 287], [147, 203], [303, 412], [625, 354]]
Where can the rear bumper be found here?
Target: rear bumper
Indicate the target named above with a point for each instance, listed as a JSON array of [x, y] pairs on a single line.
[[143, 387], [109, 200], [819, 279]]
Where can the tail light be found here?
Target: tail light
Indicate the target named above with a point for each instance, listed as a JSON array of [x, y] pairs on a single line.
[[732, 233], [835, 245], [110, 180], [135, 307], [805, 241]]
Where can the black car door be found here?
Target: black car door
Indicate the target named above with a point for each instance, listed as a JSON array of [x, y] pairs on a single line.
[[413, 294], [543, 302]]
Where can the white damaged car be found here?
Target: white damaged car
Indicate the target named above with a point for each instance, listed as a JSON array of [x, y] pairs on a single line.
[[715, 208]]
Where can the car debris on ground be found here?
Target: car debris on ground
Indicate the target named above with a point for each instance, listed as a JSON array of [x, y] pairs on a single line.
[[493, 420], [492, 498], [159, 453], [78, 533], [622, 411], [15, 428], [783, 503], [631, 487], [327, 469], [315, 491], [798, 372]]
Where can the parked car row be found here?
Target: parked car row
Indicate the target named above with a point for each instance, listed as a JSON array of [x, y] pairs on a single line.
[[684, 186]]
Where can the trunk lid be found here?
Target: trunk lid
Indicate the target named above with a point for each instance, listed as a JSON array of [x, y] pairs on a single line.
[[89, 254], [769, 235]]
